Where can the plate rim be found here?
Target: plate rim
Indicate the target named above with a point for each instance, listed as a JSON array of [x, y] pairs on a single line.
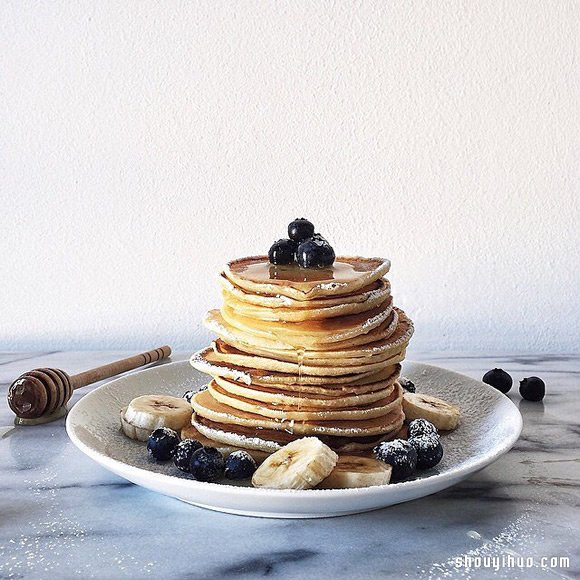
[[441, 478]]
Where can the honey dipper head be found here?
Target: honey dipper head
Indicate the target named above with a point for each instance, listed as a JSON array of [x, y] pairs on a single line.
[[39, 392], [27, 397]]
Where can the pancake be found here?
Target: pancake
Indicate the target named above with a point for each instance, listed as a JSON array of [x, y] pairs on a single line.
[[362, 295], [365, 384], [312, 332], [302, 413], [370, 300], [223, 353], [215, 322], [204, 362], [347, 275], [373, 352], [270, 441], [384, 330], [205, 405], [297, 360], [190, 432], [282, 398]]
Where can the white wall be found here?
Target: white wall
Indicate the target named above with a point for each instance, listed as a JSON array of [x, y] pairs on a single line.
[[142, 144]]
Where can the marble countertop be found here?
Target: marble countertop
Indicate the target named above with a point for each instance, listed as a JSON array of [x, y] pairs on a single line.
[[521, 509]]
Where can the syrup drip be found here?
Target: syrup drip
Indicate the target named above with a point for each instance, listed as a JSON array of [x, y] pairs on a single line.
[[300, 357]]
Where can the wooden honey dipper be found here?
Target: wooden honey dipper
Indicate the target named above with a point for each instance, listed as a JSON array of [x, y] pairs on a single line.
[[41, 395]]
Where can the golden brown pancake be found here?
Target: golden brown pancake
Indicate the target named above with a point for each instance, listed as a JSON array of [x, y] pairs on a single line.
[[206, 406], [190, 432], [367, 302], [328, 399], [368, 383], [380, 286], [359, 412], [205, 361], [215, 322], [378, 350], [270, 440], [347, 275], [311, 333], [226, 354]]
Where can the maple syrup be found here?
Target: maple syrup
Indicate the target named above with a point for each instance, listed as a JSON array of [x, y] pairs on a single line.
[[262, 271]]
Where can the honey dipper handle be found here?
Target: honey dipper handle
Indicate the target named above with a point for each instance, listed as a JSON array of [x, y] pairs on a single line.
[[120, 366]]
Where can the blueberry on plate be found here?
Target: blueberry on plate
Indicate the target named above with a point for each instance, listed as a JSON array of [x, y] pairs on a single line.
[[420, 427], [498, 379], [300, 229], [282, 252], [187, 395], [207, 464], [532, 389], [429, 450], [407, 384], [183, 452], [161, 443], [315, 252], [400, 455], [240, 465]]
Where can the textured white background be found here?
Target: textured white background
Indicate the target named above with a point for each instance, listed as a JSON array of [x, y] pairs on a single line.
[[142, 144]]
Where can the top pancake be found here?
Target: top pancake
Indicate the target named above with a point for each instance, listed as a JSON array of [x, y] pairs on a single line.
[[347, 275]]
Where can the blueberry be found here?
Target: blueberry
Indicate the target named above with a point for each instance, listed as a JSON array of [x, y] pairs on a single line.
[[408, 385], [162, 442], [183, 452], [499, 379], [282, 252], [300, 229], [240, 465], [400, 455], [315, 252], [532, 389], [429, 450], [207, 464], [420, 427]]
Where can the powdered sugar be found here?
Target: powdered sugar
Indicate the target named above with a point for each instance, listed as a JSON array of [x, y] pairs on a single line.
[[199, 362], [331, 285], [236, 439]]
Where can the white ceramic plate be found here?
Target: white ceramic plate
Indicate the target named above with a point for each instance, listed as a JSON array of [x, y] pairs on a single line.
[[490, 426]]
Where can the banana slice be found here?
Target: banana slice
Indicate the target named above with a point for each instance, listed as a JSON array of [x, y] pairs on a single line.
[[149, 412], [442, 414], [356, 471], [131, 431], [302, 464]]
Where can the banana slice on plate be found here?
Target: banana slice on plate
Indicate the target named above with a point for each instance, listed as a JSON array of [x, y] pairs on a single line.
[[302, 464], [149, 412], [356, 471], [442, 414]]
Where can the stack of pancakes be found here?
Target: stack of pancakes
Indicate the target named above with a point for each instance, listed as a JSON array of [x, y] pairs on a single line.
[[303, 352]]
